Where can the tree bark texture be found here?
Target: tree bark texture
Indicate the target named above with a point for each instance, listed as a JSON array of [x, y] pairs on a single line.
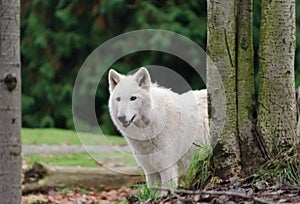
[[230, 48], [276, 98], [221, 49], [251, 155], [10, 93]]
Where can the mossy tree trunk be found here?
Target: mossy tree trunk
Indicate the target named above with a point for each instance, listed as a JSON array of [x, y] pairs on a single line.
[[276, 97], [10, 98], [221, 49], [230, 48], [251, 154]]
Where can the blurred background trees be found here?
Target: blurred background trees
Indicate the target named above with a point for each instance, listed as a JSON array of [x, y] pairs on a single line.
[[57, 36]]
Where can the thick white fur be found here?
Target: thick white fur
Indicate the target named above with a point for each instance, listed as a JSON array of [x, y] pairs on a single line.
[[164, 124]]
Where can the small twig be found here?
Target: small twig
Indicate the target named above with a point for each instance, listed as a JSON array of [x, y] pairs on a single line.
[[211, 192], [242, 195], [197, 145]]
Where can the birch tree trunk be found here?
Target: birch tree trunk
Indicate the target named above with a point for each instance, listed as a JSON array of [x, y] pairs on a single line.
[[221, 49], [277, 108], [10, 113]]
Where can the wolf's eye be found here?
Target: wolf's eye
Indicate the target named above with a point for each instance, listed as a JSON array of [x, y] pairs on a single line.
[[132, 98], [118, 98]]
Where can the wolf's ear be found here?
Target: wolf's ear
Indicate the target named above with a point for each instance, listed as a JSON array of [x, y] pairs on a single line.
[[113, 78], [143, 79]]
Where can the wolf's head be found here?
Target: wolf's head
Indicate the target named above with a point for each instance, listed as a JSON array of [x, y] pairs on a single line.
[[130, 100]]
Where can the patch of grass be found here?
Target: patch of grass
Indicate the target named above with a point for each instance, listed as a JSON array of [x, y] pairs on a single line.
[[200, 169], [69, 137], [144, 193], [285, 167], [82, 159]]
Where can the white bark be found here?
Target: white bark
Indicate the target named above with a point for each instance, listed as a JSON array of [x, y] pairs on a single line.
[[10, 113]]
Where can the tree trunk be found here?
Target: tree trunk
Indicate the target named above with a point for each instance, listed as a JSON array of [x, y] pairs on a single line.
[[242, 146], [276, 98], [10, 92], [251, 155], [221, 49]]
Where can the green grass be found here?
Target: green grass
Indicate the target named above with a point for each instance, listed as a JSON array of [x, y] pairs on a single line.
[[82, 159], [69, 137], [200, 170], [144, 193], [283, 168]]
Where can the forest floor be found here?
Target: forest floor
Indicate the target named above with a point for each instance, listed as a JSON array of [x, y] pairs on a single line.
[[77, 196], [219, 194], [229, 193], [247, 191]]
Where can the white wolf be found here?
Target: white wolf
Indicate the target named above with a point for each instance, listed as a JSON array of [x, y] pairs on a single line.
[[159, 125]]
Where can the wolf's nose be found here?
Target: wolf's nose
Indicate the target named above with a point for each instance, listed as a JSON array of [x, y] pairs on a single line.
[[122, 118]]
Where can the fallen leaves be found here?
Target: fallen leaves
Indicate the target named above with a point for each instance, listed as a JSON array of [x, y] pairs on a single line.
[[77, 196]]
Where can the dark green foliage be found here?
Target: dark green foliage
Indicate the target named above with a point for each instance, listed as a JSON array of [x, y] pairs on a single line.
[[57, 36], [54, 44]]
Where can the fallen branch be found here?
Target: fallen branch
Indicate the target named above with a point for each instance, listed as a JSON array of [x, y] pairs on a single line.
[[42, 177], [177, 193]]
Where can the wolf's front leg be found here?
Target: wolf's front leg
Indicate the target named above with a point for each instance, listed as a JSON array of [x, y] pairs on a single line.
[[153, 179], [169, 177]]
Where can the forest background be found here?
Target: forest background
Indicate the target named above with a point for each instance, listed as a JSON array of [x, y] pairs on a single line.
[[57, 36]]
